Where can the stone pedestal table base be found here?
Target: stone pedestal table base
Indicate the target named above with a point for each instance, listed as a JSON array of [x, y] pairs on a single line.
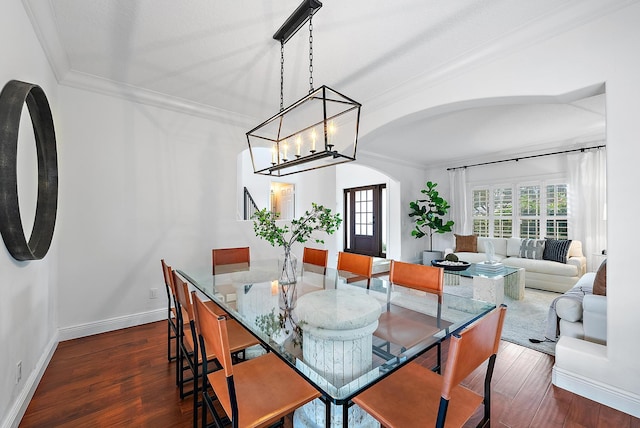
[[338, 327]]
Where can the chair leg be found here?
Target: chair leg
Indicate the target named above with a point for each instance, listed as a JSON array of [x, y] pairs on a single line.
[[486, 419], [442, 412], [172, 336], [169, 336], [195, 388]]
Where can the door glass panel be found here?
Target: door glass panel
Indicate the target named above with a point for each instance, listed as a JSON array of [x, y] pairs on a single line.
[[364, 212]]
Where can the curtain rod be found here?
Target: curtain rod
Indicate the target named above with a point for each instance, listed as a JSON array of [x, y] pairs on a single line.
[[527, 157]]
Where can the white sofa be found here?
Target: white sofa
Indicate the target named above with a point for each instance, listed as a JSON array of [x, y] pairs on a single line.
[[584, 318], [542, 274]]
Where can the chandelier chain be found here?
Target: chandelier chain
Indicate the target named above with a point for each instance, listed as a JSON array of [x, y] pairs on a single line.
[[310, 54], [281, 75]]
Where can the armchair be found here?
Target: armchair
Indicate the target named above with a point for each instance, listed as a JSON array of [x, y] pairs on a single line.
[[583, 318]]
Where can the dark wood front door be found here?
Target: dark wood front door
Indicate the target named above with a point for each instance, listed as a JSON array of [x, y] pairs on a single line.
[[363, 214]]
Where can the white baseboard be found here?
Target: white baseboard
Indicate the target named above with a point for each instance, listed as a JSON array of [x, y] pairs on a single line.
[[103, 326], [602, 393], [16, 412]]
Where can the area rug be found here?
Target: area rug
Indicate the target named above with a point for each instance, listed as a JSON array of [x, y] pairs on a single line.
[[526, 319]]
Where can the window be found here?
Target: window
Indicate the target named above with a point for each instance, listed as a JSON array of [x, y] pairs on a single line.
[[481, 212], [538, 210], [557, 220], [503, 212], [529, 210]]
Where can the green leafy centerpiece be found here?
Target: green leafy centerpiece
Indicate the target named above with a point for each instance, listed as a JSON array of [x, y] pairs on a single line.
[[300, 230]]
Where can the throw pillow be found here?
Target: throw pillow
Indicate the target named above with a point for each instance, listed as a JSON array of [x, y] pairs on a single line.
[[532, 249], [466, 243], [556, 250], [600, 282]]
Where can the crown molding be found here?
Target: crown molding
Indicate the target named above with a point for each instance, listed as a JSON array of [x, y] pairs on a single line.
[[41, 14], [557, 21], [139, 95]]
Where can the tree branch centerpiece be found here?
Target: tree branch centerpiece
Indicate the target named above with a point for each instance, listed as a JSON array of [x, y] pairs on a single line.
[[300, 230], [428, 214]]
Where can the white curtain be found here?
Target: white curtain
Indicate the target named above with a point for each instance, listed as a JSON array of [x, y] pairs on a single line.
[[588, 201], [459, 212]]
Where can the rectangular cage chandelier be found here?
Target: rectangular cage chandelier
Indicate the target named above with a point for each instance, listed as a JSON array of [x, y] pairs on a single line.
[[318, 130]]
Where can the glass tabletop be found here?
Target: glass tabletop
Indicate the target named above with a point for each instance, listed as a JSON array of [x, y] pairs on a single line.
[[486, 270], [252, 295]]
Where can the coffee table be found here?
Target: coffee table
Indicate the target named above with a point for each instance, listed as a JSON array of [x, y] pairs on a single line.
[[490, 287]]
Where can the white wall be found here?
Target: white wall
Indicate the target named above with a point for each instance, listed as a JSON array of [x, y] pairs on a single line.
[[139, 183], [406, 183], [602, 50], [350, 175], [27, 307]]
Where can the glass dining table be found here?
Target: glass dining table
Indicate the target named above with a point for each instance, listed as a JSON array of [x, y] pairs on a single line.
[[341, 336]]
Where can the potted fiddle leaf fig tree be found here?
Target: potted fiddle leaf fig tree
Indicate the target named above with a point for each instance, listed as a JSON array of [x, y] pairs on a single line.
[[428, 215]]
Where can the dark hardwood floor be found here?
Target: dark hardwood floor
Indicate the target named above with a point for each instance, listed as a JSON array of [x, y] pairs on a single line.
[[123, 379]]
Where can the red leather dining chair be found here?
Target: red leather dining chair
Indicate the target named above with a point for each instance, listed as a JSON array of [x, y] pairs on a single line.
[[188, 352], [359, 265], [233, 258], [253, 393], [415, 396], [316, 257]]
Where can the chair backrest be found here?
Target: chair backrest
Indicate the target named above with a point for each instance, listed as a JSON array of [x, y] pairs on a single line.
[[419, 277], [315, 256], [168, 279], [182, 295], [355, 263], [472, 347], [229, 256], [213, 330]]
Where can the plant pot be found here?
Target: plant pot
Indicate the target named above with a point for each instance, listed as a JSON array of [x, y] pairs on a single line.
[[427, 256]]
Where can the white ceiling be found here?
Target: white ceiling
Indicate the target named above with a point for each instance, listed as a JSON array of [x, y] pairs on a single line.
[[217, 58]]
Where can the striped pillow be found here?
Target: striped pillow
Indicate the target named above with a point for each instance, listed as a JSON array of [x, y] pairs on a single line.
[[532, 248], [556, 250]]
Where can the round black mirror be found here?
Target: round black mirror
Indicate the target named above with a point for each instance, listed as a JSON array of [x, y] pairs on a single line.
[[12, 99]]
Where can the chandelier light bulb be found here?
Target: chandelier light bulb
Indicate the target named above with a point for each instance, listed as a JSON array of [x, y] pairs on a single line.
[[313, 140]]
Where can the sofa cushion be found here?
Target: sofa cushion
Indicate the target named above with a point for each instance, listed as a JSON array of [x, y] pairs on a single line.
[[513, 247], [542, 266], [532, 249], [499, 246], [575, 249], [600, 282], [556, 250], [466, 243]]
